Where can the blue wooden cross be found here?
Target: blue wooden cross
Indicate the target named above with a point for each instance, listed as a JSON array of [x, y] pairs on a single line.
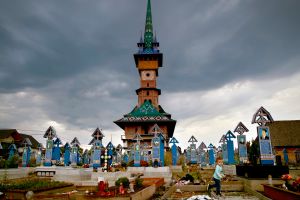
[[174, 150], [12, 150], [137, 150], [211, 154], [56, 150], [97, 145], [67, 154], [230, 149], [162, 149], [110, 150], [26, 152]]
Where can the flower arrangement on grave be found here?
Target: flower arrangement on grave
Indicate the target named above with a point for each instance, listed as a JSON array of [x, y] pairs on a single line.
[[290, 183], [144, 163], [124, 181], [85, 166]]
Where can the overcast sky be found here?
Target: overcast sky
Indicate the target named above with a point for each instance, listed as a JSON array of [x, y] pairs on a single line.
[[70, 64]]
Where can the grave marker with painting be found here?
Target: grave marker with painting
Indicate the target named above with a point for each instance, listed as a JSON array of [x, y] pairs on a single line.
[[49, 134], [261, 117], [242, 142], [174, 150], [26, 152]]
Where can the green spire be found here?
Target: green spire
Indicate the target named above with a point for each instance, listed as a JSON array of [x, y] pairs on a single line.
[[148, 35]]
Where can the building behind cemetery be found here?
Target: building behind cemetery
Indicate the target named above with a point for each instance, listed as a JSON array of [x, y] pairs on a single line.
[[12, 136], [148, 111], [285, 138]]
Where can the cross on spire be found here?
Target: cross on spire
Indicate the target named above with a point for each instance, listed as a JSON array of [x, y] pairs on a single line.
[[148, 35]]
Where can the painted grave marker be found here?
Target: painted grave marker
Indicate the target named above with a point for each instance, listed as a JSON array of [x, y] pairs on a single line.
[[230, 148], [49, 134], [261, 117], [75, 152], [211, 154], [56, 150], [157, 146], [174, 150], [193, 153], [242, 142], [26, 152], [97, 145], [110, 150], [67, 154], [137, 150]]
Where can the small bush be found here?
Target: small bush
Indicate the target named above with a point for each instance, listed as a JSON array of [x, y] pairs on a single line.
[[124, 164], [124, 181], [12, 162], [2, 163], [139, 183]]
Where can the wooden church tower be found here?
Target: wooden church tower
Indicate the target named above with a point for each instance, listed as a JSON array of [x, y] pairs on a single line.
[[148, 112]]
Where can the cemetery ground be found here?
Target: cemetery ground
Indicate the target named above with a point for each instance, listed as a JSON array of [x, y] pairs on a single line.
[[47, 188]]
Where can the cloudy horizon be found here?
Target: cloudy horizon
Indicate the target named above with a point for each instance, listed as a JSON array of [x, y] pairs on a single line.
[[70, 65]]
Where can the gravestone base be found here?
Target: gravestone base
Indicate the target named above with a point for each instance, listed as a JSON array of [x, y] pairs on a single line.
[[229, 170], [261, 171], [153, 172]]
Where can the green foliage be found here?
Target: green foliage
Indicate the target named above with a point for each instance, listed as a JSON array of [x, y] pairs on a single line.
[[2, 163], [138, 182], [184, 168], [181, 160], [196, 175], [254, 152], [32, 162], [31, 184], [123, 164], [168, 158], [124, 181], [12, 162]]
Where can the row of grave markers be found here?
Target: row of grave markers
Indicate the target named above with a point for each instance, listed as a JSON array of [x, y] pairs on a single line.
[[139, 152], [261, 117]]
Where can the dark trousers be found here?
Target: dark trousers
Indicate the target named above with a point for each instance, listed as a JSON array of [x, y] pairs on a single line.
[[217, 185]]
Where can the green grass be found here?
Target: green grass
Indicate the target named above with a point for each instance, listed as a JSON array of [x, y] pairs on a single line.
[[31, 184]]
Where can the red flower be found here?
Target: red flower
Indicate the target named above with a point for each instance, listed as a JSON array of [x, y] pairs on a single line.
[[286, 177]]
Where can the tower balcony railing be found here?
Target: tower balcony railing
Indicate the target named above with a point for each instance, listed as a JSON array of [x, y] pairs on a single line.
[[144, 136]]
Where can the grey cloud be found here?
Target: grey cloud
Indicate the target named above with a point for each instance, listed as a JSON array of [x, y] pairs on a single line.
[[78, 55]]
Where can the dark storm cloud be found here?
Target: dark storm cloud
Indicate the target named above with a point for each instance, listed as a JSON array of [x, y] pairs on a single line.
[[49, 41], [250, 40], [207, 43]]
